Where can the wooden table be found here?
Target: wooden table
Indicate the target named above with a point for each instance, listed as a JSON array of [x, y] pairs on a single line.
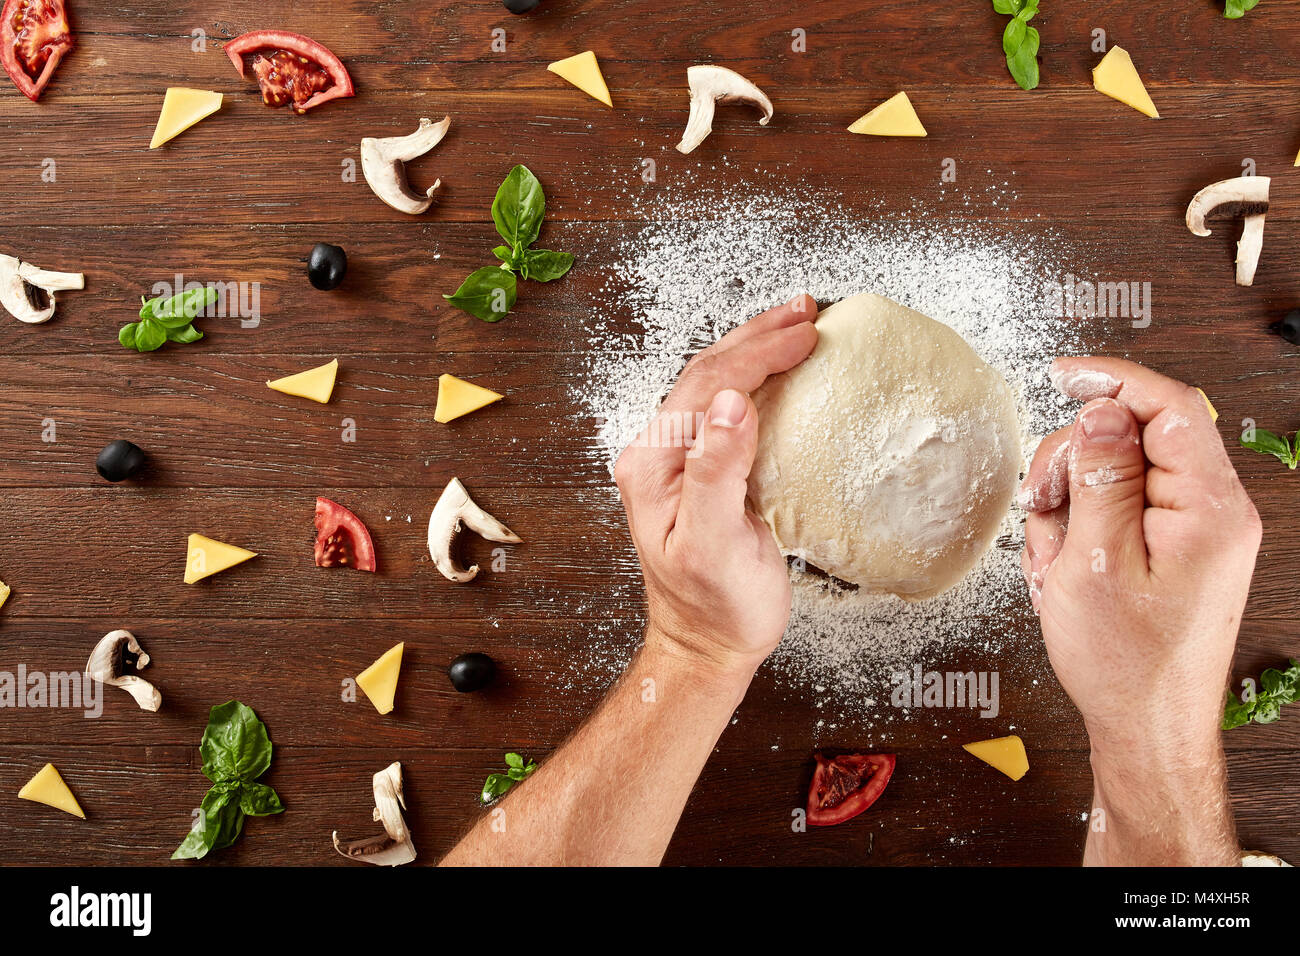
[[246, 194]]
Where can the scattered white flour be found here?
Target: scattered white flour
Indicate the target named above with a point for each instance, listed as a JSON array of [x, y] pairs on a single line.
[[704, 260]]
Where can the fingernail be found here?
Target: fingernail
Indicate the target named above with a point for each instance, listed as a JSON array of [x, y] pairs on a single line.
[[728, 408], [1107, 422]]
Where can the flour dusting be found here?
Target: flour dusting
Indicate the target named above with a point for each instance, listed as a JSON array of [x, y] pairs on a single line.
[[704, 260]]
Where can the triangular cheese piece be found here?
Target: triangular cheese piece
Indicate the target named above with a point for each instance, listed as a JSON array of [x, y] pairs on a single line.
[[1002, 753], [315, 383], [1297, 160], [894, 117], [1214, 412], [1117, 77], [584, 72], [4, 593], [181, 109], [379, 680], [456, 397], [205, 557], [47, 787]]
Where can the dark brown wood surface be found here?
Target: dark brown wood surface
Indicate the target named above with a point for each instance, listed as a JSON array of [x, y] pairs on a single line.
[[246, 194]]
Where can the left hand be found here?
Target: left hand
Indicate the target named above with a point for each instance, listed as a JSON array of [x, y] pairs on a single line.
[[716, 584]]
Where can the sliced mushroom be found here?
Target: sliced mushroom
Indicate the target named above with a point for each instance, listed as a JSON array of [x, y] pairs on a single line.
[[393, 847], [1245, 198], [383, 162], [711, 85], [113, 659], [454, 507], [27, 293]]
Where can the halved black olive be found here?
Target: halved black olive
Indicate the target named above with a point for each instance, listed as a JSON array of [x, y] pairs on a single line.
[[119, 460]]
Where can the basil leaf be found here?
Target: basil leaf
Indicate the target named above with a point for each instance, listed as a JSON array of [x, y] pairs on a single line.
[[1013, 36], [514, 760], [235, 745], [1236, 712], [218, 825], [149, 336], [1004, 6], [1026, 13], [543, 265], [495, 786], [519, 207], [179, 310], [1023, 63], [259, 800], [127, 333], [1236, 9], [510, 259], [1267, 443], [184, 336], [488, 293]]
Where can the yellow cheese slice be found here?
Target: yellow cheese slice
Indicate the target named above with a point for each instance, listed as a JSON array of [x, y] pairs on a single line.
[[1117, 77], [205, 557], [1214, 415], [181, 109], [47, 787], [1297, 160], [584, 72], [894, 117], [4, 593], [315, 383], [379, 680], [1002, 753], [456, 397]]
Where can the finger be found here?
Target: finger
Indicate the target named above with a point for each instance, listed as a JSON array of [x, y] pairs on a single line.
[[1107, 484], [1044, 537], [1182, 437], [802, 308], [742, 367], [717, 470], [1047, 485]]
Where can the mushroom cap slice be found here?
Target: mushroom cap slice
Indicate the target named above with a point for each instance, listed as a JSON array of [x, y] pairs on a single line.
[[383, 163], [1230, 199], [110, 662], [18, 279], [454, 507], [393, 847], [711, 85]]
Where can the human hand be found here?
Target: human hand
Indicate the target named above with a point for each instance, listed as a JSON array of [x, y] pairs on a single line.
[[716, 584], [1140, 545]]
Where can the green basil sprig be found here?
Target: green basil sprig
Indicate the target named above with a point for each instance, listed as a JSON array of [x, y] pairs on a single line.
[[498, 784], [1276, 687], [168, 319], [518, 209], [236, 750], [1020, 40], [1236, 9], [1267, 443]]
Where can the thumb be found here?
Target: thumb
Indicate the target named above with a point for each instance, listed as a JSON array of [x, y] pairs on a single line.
[[717, 466], [1107, 483]]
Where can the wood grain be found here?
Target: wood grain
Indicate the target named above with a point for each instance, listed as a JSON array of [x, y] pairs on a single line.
[[244, 196]]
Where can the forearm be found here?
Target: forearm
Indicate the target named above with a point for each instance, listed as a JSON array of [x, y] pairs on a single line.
[[1161, 807], [613, 793]]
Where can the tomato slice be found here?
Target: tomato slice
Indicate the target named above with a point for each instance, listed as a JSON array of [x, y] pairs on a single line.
[[341, 538], [844, 786], [291, 68], [34, 37]]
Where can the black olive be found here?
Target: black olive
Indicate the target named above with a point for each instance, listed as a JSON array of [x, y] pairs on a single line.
[[1290, 327], [471, 672], [327, 266], [521, 6], [119, 460]]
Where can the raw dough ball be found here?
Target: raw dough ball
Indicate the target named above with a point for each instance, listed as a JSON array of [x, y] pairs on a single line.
[[890, 456]]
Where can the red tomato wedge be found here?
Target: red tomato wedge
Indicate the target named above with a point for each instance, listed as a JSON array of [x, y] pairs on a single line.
[[34, 37], [341, 538], [291, 68], [844, 786]]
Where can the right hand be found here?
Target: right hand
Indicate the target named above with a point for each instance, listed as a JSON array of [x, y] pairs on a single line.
[[1140, 545]]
